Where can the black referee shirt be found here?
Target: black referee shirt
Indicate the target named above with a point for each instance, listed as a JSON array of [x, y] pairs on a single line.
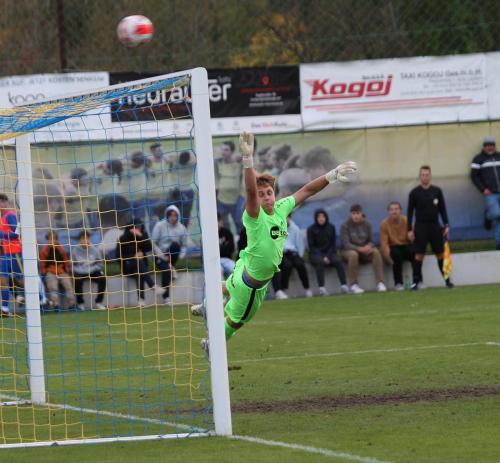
[[428, 204]]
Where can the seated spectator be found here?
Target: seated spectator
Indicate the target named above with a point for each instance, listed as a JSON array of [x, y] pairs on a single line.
[[293, 257], [395, 245], [169, 237], [226, 248], [88, 264], [322, 242], [358, 247], [131, 250], [56, 269]]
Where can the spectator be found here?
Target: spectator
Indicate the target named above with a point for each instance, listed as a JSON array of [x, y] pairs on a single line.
[[394, 243], [77, 200], [136, 183], [10, 254], [228, 176], [427, 202], [56, 269], [322, 242], [358, 247], [160, 181], [293, 257], [170, 237], [183, 177], [88, 264], [132, 248], [226, 249], [485, 174]]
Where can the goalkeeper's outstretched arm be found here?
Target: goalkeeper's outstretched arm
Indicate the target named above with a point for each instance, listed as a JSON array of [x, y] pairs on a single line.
[[246, 149], [341, 173]]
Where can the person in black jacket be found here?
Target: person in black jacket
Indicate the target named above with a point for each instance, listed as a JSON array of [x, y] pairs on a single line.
[[132, 249], [226, 248], [426, 201], [485, 174], [321, 239]]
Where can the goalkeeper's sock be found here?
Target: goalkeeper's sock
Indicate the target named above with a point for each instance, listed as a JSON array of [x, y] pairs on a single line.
[[230, 331], [441, 265]]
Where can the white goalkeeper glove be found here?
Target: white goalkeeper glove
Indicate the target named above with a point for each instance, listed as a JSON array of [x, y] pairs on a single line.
[[342, 173], [246, 149]]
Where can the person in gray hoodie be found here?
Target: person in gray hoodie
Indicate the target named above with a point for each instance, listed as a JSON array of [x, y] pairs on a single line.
[[88, 263], [358, 247], [170, 239]]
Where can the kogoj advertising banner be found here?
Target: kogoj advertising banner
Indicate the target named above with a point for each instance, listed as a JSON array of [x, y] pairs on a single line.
[[261, 100], [395, 92], [23, 90]]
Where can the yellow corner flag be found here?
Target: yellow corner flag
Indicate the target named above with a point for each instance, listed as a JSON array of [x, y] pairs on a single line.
[[447, 261]]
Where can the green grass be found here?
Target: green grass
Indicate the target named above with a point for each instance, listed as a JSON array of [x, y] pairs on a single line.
[[342, 347]]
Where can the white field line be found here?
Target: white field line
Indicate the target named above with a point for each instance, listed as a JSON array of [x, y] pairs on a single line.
[[135, 326], [196, 432], [309, 449], [290, 357]]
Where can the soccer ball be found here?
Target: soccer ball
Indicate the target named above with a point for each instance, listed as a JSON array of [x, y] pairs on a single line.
[[134, 30]]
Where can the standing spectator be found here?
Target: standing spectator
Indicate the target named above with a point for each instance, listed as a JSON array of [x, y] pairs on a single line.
[[427, 202], [228, 176], [88, 264], [226, 249], [485, 174], [132, 249], [394, 243], [184, 169], [136, 183], [56, 268], [10, 253], [322, 242], [358, 247], [293, 257], [170, 238]]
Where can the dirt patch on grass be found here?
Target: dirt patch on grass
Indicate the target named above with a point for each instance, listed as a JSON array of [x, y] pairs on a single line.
[[330, 403]]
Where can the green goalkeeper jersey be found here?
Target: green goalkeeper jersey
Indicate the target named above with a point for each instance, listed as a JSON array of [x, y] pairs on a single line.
[[266, 237]]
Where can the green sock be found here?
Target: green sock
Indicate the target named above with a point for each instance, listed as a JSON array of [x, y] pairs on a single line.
[[230, 331]]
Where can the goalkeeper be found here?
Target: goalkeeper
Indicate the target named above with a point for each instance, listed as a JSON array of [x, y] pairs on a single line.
[[265, 222]]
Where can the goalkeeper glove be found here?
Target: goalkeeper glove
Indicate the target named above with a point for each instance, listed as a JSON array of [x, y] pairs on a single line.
[[246, 149], [342, 172]]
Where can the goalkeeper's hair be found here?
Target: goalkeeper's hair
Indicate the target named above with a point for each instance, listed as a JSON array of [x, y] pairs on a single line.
[[264, 180]]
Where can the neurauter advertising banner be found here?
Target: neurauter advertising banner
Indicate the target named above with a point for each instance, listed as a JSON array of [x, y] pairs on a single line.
[[394, 92]]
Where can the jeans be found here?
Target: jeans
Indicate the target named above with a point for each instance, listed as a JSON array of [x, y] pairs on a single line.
[[137, 268], [316, 259], [493, 212], [398, 255], [354, 258], [227, 266], [290, 261], [234, 210], [97, 277]]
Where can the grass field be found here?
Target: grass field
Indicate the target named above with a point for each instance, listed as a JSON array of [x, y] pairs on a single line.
[[394, 377]]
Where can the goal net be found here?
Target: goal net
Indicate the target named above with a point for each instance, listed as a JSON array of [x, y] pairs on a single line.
[[108, 234]]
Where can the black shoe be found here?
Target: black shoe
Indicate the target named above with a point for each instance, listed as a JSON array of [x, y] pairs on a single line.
[[449, 284], [487, 223], [497, 247], [414, 287]]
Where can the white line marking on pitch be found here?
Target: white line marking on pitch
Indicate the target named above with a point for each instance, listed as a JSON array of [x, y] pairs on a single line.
[[290, 357], [255, 440], [491, 343], [309, 449]]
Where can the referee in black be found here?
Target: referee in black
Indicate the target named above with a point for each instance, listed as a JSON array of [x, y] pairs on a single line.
[[427, 202]]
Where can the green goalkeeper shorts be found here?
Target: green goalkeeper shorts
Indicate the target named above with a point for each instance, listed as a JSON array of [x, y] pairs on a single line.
[[244, 301]]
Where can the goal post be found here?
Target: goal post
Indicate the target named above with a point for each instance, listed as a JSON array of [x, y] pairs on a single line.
[[83, 174]]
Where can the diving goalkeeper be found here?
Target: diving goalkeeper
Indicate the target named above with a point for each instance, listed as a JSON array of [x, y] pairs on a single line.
[[265, 222]]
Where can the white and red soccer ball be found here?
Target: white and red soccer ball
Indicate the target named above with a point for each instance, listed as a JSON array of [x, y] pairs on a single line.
[[134, 30]]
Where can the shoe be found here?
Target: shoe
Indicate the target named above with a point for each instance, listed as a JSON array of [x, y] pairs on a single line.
[[449, 284], [141, 303], [323, 291], [280, 294], [309, 293], [497, 247], [205, 345], [159, 290], [414, 287], [166, 300], [421, 286], [99, 306], [20, 300], [5, 312], [356, 289], [80, 307], [344, 289], [381, 288], [399, 287], [198, 310]]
